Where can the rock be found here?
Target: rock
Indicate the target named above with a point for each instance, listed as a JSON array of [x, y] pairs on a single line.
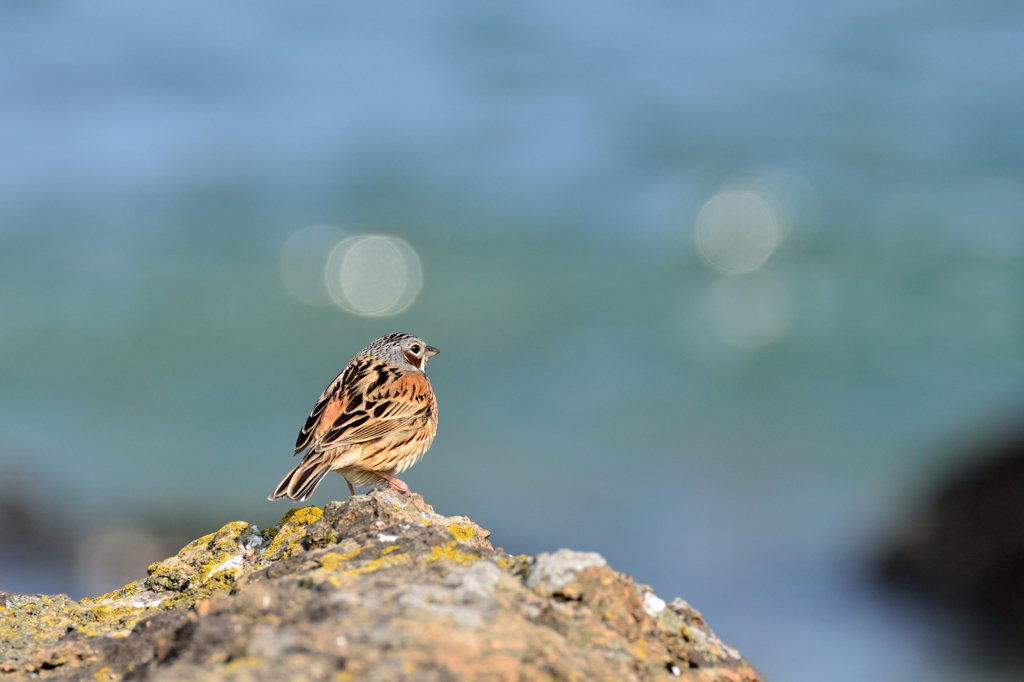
[[551, 573], [965, 548], [375, 587]]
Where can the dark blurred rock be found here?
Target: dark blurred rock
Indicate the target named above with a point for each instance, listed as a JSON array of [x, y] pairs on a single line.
[[966, 548], [50, 540], [30, 526], [375, 587]]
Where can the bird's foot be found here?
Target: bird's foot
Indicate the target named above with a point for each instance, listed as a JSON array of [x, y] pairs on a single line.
[[351, 490], [394, 482]]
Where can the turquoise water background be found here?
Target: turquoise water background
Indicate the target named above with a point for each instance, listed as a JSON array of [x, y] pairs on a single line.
[[745, 442]]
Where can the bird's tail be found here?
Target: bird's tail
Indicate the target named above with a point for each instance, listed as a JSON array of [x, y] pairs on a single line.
[[300, 482]]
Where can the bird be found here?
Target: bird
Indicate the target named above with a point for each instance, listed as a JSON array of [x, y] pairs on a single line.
[[376, 419]]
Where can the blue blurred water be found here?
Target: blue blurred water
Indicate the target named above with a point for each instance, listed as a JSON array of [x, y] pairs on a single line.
[[547, 162]]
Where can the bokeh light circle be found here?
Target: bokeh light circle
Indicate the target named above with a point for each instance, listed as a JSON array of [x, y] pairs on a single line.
[[736, 231], [791, 197], [373, 275], [303, 259]]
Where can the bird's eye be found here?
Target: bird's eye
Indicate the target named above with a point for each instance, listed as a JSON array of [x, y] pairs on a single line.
[[415, 348]]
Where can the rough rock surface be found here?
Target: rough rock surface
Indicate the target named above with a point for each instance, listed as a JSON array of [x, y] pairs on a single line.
[[377, 587]]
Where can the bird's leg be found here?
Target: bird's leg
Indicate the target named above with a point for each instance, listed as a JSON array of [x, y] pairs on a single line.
[[395, 483], [351, 490]]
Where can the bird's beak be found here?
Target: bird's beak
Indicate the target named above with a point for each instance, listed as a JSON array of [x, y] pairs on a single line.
[[431, 351]]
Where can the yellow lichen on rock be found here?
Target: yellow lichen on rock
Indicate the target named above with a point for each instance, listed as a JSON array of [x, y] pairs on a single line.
[[196, 561], [287, 538], [222, 582], [375, 592], [332, 560], [104, 675], [461, 532], [30, 622], [376, 564], [448, 552], [129, 590], [302, 516], [169, 576]]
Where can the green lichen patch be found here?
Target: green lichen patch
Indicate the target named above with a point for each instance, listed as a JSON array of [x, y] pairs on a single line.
[[166, 577], [267, 535], [29, 622]]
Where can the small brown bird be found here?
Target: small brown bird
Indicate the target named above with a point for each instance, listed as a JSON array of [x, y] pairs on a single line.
[[375, 420]]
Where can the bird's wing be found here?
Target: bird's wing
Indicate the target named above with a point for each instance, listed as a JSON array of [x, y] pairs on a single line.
[[369, 400], [320, 412]]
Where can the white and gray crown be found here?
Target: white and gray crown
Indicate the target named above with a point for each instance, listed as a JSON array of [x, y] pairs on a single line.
[[402, 350]]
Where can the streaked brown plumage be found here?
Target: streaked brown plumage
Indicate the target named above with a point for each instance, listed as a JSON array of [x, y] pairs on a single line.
[[375, 420]]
